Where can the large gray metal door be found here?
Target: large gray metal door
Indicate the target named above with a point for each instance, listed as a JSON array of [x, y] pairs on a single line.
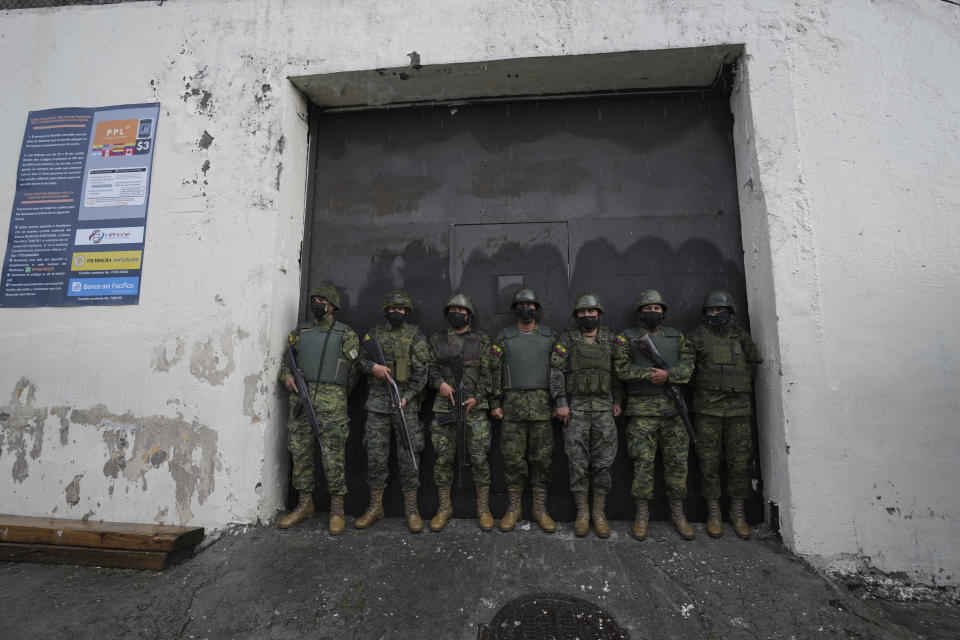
[[612, 195]]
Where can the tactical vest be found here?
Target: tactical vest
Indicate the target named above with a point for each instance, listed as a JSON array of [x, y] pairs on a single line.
[[397, 348], [527, 365], [321, 354], [722, 365], [471, 359], [588, 365], [667, 343]]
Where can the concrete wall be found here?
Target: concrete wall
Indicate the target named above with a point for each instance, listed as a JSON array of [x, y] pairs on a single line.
[[846, 129]]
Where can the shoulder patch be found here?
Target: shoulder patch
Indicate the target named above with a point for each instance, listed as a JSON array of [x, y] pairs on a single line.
[[620, 339], [366, 337], [353, 354], [495, 349], [560, 350]]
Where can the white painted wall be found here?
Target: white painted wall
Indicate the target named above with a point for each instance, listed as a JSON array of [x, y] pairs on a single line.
[[846, 133]]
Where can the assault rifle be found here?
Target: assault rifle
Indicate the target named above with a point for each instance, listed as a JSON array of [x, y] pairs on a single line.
[[303, 396], [458, 415], [372, 345], [671, 389]]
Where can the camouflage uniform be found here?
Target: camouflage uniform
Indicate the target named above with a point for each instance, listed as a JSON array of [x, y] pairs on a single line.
[[653, 417], [527, 432], [590, 436], [408, 356], [726, 362], [475, 346], [330, 403]]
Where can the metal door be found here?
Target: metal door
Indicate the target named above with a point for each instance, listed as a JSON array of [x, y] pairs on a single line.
[[611, 195]]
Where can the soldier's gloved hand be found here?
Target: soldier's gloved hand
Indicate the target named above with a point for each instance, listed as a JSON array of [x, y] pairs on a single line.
[[290, 384], [381, 371], [469, 403], [617, 411], [562, 414], [446, 391], [658, 376], [497, 413]]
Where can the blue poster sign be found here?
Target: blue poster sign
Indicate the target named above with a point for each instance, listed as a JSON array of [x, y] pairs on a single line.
[[80, 209]]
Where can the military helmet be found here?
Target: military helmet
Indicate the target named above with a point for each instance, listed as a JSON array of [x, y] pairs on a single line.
[[650, 296], [460, 300], [328, 292], [588, 301], [720, 298], [398, 299], [525, 295]]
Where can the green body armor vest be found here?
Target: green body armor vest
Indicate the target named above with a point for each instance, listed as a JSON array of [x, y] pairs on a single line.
[[471, 360], [667, 343], [397, 348], [527, 365], [722, 366], [320, 354], [588, 367]]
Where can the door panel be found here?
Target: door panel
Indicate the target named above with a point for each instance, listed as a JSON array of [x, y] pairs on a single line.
[[612, 195]]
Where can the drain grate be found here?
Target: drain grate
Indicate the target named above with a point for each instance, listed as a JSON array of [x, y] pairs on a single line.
[[551, 616]]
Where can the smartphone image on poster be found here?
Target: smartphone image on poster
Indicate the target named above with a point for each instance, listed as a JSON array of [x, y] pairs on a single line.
[[146, 127]]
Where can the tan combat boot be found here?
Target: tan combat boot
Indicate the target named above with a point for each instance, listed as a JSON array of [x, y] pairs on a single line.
[[513, 510], [641, 520], [540, 511], [484, 517], [414, 523], [581, 526], [714, 524], [302, 511], [737, 519], [444, 510], [374, 510], [600, 524], [337, 521], [679, 520]]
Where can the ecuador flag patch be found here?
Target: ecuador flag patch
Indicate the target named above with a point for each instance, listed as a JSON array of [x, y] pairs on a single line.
[[620, 340], [560, 349], [495, 350]]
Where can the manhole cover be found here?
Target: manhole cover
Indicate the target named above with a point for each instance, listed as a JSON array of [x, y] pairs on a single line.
[[551, 616]]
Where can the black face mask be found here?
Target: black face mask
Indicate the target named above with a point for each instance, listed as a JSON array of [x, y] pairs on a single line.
[[396, 318], [318, 309], [717, 319], [651, 319], [588, 323], [457, 319], [525, 314]]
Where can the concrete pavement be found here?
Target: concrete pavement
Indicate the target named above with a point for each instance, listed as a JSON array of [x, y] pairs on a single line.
[[260, 582]]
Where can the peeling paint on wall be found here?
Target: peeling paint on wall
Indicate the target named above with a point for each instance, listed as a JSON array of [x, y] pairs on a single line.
[[135, 446], [22, 425], [72, 492], [166, 355], [61, 413], [188, 451], [212, 361], [251, 390]]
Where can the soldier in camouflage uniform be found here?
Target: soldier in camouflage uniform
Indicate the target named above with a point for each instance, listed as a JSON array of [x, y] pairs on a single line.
[[325, 351], [726, 362], [521, 398], [461, 339], [653, 417], [583, 389], [408, 361]]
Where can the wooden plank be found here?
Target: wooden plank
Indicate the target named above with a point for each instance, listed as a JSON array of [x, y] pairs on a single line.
[[100, 535], [119, 558]]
